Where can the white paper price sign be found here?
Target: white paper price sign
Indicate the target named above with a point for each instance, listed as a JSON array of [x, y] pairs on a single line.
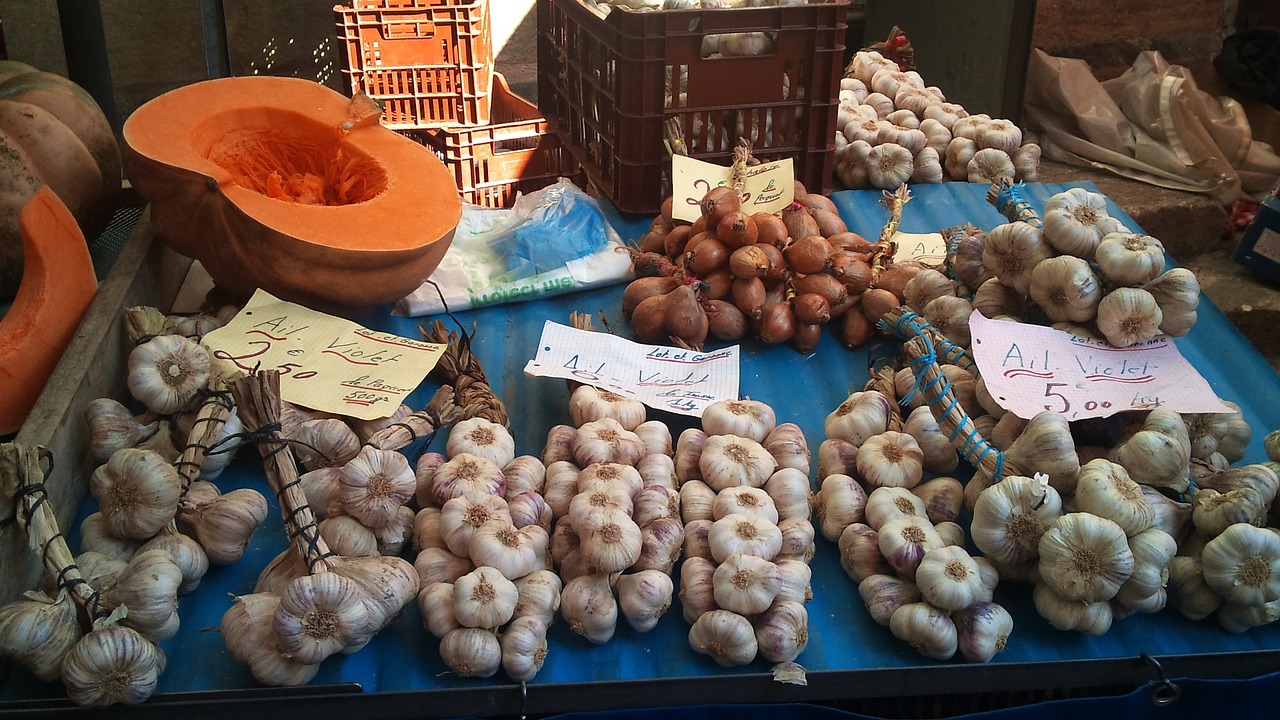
[[1030, 368], [927, 247], [770, 187], [664, 378]]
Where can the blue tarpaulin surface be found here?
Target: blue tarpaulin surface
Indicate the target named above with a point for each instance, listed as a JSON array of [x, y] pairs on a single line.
[[803, 390]]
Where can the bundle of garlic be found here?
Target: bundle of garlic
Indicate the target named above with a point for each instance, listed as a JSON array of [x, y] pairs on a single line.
[[897, 533], [485, 587], [103, 662], [310, 603], [894, 129], [613, 499], [745, 498]]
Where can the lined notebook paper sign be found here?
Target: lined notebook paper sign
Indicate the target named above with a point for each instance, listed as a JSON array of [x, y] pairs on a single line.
[[1029, 369], [664, 378], [325, 363]]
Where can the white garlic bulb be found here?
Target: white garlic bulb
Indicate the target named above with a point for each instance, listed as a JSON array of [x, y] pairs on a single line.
[[483, 598], [904, 542], [745, 500], [839, 503], [745, 584], [889, 165], [860, 554], [782, 632], [166, 372], [1012, 251], [1076, 220], [731, 461], [326, 442], [926, 628], [524, 474], [611, 540], [982, 630], [1010, 516], [112, 665], [860, 416], [744, 534], [789, 491], [514, 552], [524, 648], [990, 165], [1026, 162], [319, 615], [1242, 564], [588, 605], [471, 652], [960, 150], [375, 484], [744, 418], [1129, 316], [588, 403], [1090, 618], [137, 491], [1130, 259], [481, 438], [465, 473], [644, 598], [1066, 289], [891, 459], [726, 636], [606, 440], [539, 596], [949, 579], [1084, 557]]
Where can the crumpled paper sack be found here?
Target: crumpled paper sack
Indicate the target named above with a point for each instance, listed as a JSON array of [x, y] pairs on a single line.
[[1151, 124], [552, 241]]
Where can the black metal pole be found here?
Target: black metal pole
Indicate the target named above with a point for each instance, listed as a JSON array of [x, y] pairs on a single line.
[[213, 22], [85, 45]]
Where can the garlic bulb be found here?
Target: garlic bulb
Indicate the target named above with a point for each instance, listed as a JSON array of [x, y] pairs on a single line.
[[604, 495], [37, 632], [851, 168], [657, 470], [1010, 516], [1084, 558], [524, 648], [837, 457], [797, 540], [1066, 289], [904, 117], [138, 492], [559, 446], [112, 427], [782, 632], [945, 113], [481, 438], [838, 504], [1160, 453], [1012, 252], [321, 487], [696, 539], [744, 418], [949, 579], [689, 453], [797, 578], [1152, 550], [425, 475], [1207, 431], [745, 584], [744, 534], [1242, 564], [483, 598], [375, 484], [925, 286], [881, 103], [730, 461], [889, 503], [994, 298], [1090, 618], [1130, 259], [112, 665], [726, 636], [950, 316], [889, 165], [187, 554], [890, 459], [319, 615], [644, 598], [942, 497], [926, 628], [884, 594], [539, 596], [1000, 134], [605, 440], [656, 437], [611, 540], [904, 541], [224, 525], [1026, 162], [1241, 618], [982, 631], [587, 604], [786, 443], [696, 500], [745, 500], [859, 417], [511, 551], [148, 586], [462, 474], [1046, 446], [324, 443], [561, 487], [911, 139], [960, 152], [697, 591], [166, 372], [529, 508], [788, 491], [588, 403], [436, 566], [1105, 489], [1188, 591], [471, 652], [860, 554], [1076, 220], [989, 165]]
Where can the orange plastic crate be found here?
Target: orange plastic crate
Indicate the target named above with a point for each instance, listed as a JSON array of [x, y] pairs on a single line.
[[516, 153], [430, 62]]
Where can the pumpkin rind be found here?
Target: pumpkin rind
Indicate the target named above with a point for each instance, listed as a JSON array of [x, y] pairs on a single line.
[[58, 285], [59, 118], [193, 153]]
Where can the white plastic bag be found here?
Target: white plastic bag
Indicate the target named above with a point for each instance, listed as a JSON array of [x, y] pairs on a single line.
[[551, 242]]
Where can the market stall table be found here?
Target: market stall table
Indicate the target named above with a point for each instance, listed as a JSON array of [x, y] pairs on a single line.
[[848, 656]]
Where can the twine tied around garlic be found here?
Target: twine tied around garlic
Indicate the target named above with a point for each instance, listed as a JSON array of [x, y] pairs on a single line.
[[1006, 196], [885, 247], [441, 411]]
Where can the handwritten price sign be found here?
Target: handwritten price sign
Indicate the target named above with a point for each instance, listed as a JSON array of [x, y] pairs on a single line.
[[770, 187], [664, 378], [1029, 369], [325, 363]]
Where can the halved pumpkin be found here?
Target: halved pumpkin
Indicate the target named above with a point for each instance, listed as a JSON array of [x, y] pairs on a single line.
[[57, 286], [283, 184]]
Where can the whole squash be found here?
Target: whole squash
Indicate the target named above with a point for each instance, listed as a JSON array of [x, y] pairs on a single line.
[[283, 184], [51, 133]]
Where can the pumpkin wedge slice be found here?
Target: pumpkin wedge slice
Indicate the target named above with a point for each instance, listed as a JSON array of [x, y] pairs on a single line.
[[269, 184], [57, 286]]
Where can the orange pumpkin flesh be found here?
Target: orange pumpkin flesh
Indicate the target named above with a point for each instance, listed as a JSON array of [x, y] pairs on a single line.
[[283, 184], [57, 286]]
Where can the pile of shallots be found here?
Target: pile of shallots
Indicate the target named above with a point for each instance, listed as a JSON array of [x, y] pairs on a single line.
[[893, 129], [732, 273], [898, 536], [745, 496]]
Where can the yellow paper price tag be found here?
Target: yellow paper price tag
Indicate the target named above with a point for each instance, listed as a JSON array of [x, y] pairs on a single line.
[[770, 187]]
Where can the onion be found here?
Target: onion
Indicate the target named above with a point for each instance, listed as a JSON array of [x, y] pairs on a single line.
[[849, 269], [816, 201], [645, 287], [737, 229], [851, 241], [673, 244], [810, 254], [811, 308], [895, 277], [799, 222], [647, 320], [749, 261], [654, 241], [682, 315], [777, 323], [717, 284], [770, 230], [878, 301], [718, 202], [806, 337], [777, 262], [709, 255], [856, 328], [829, 223], [825, 285], [726, 321], [748, 295]]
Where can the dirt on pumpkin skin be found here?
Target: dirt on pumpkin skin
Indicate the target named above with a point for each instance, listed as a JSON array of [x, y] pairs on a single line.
[[17, 184]]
